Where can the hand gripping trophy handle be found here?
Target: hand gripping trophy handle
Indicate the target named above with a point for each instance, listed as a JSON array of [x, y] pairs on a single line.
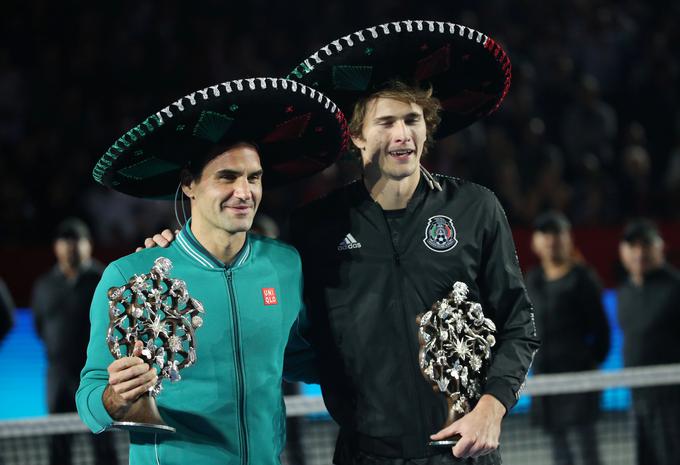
[[157, 310], [455, 342]]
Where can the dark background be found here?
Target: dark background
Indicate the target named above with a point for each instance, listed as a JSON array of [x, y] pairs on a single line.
[[591, 125]]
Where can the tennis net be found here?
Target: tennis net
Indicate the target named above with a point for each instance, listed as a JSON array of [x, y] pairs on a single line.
[[530, 435]]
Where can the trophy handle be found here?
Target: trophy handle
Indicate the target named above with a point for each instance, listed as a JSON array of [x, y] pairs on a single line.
[[143, 417], [450, 418]]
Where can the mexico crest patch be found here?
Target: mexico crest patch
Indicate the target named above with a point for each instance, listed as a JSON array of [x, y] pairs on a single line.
[[440, 234]]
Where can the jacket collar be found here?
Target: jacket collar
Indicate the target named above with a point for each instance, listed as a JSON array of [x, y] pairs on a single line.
[[188, 243], [361, 198]]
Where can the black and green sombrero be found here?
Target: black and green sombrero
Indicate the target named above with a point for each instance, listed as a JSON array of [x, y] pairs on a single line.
[[469, 71], [298, 132]]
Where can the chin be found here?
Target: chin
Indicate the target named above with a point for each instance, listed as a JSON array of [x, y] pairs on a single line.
[[403, 172], [239, 226]]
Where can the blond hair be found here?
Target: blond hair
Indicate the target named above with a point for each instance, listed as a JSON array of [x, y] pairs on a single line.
[[398, 90]]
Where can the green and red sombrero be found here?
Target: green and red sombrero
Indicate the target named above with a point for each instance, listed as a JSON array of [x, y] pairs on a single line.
[[469, 71], [298, 132]]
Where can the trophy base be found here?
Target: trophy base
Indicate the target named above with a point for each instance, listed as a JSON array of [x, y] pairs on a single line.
[[443, 443], [141, 427], [143, 417]]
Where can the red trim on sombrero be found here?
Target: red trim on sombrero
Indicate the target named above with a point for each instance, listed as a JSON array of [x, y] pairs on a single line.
[[294, 128], [503, 59], [340, 116]]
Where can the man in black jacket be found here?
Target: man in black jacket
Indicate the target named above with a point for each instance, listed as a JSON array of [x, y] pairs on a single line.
[[571, 320], [383, 249], [649, 318], [61, 308]]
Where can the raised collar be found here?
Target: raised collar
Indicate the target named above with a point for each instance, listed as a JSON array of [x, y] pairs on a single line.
[[362, 198], [188, 243]]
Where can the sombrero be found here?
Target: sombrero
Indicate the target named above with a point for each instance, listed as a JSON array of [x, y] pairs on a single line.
[[469, 72], [298, 131]]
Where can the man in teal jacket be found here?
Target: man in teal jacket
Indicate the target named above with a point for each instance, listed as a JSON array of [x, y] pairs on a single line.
[[228, 407]]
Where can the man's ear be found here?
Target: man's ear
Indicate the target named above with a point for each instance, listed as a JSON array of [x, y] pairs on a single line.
[[622, 247], [359, 142], [534, 243], [187, 182]]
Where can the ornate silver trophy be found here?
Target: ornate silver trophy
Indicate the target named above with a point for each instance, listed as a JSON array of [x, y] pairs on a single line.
[[455, 349], [157, 310]]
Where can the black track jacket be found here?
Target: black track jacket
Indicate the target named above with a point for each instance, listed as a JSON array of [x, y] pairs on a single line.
[[366, 279]]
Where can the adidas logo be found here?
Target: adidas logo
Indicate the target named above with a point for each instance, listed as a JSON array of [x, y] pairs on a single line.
[[349, 243]]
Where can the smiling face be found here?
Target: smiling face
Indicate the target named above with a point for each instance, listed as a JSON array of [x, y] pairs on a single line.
[[392, 138], [227, 193]]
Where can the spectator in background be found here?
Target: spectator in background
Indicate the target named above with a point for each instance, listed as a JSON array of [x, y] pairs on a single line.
[[672, 176], [595, 200], [6, 310], [650, 321], [589, 124], [61, 306], [636, 187], [573, 326]]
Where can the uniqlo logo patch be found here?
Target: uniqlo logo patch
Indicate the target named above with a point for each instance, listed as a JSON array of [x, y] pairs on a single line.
[[269, 296]]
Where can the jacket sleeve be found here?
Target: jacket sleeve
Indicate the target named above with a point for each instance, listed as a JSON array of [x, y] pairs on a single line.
[[94, 376], [595, 317], [300, 362], [38, 307], [504, 297], [6, 310]]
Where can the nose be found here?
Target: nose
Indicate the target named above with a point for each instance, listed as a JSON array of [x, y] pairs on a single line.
[[401, 132], [242, 189]]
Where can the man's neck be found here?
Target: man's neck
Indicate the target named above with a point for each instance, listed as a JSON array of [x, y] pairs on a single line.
[[555, 270], [639, 278], [70, 271], [222, 244], [391, 194]]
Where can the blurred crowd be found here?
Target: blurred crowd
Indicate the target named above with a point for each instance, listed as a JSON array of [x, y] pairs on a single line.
[[591, 125]]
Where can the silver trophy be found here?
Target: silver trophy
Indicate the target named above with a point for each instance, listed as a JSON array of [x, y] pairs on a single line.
[[455, 350], [157, 310]]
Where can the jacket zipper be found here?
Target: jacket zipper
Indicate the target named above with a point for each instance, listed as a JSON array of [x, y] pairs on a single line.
[[240, 389], [397, 262]]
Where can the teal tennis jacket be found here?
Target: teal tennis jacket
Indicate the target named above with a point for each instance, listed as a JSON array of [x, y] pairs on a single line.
[[227, 408]]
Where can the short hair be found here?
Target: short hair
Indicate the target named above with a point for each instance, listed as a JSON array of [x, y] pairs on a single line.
[[552, 222], [72, 229], [398, 90], [195, 166], [640, 230]]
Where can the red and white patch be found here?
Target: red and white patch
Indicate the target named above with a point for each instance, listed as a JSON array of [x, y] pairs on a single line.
[[269, 296]]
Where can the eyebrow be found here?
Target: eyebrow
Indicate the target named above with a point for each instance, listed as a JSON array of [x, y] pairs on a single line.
[[412, 114], [229, 172]]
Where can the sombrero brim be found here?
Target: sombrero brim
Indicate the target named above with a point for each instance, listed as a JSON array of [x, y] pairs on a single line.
[[298, 132], [469, 72]]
